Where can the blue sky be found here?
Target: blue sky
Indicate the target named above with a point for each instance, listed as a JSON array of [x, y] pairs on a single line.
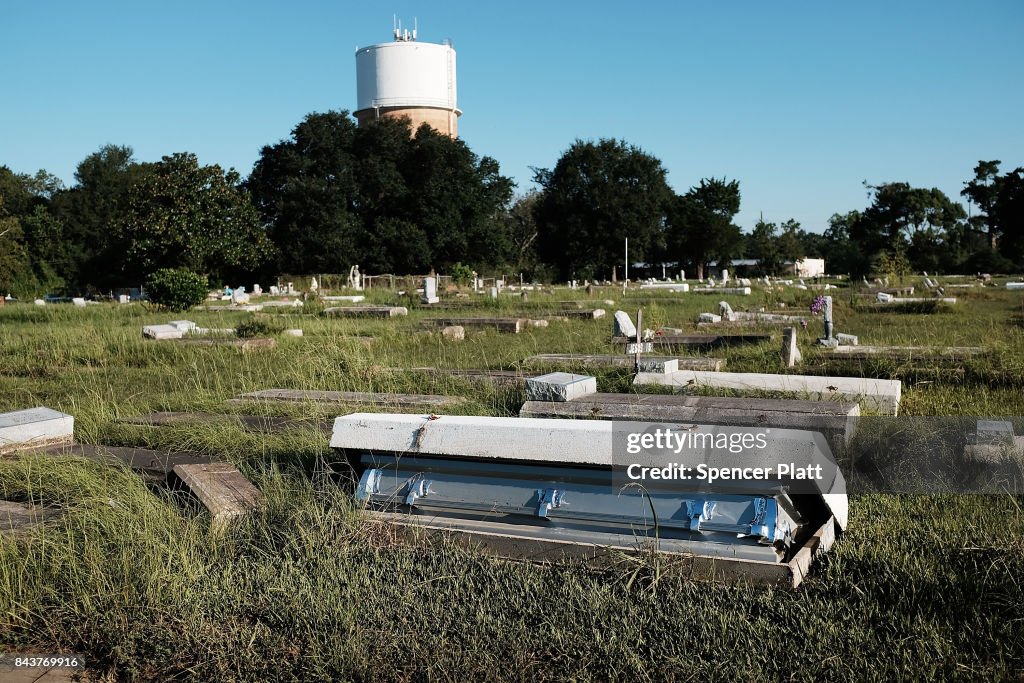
[[799, 101]]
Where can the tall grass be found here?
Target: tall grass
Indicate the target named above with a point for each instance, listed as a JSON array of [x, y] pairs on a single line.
[[307, 589]]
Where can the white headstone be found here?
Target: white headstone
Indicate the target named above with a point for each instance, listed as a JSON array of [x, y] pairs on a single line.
[[709, 318], [725, 276], [275, 290], [624, 326], [790, 351], [726, 310], [78, 301], [34, 426], [429, 291], [559, 386], [454, 332], [123, 298], [239, 296], [314, 285], [494, 292], [885, 298], [257, 290], [40, 302]]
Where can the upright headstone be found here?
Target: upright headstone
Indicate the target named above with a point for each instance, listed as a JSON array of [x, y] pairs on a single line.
[[123, 298], [314, 285], [257, 290], [239, 296], [725, 310], [78, 301], [725, 277], [429, 291], [790, 351], [624, 326], [494, 292]]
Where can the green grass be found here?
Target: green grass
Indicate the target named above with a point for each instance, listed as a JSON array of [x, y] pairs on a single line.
[[924, 587]]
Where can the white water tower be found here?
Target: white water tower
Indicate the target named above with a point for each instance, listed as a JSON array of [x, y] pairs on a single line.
[[408, 78]]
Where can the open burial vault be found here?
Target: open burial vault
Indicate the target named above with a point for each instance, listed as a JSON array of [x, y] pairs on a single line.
[[542, 489]]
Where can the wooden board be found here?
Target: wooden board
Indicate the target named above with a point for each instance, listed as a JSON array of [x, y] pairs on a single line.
[[154, 465], [511, 325], [681, 340], [367, 311], [574, 360], [348, 397], [255, 423], [837, 421], [252, 344], [17, 517], [494, 377], [220, 487], [907, 352]]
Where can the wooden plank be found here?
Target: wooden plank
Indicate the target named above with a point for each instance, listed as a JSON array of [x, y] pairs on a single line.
[[880, 395], [573, 360], [837, 421], [510, 325], [253, 344], [680, 340], [18, 517], [220, 487], [907, 352], [494, 377], [255, 423], [348, 397], [367, 311], [155, 465]]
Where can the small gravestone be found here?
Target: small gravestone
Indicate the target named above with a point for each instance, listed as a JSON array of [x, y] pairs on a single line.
[[275, 290], [725, 277], [429, 291], [708, 318], [624, 326], [239, 296], [790, 350], [559, 386], [294, 332], [494, 292], [78, 301], [123, 298], [34, 427], [257, 290], [846, 339], [314, 286], [184, 326], [454, 332], [162, 332], [725, 310]]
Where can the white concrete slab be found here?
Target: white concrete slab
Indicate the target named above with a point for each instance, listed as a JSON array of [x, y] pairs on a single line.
[[880, 396], [162, 332], [559, 386], [34, 426]]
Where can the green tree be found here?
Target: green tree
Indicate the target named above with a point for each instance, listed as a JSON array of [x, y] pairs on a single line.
[[598, 195], [982, 191], [1008, 215], [699, 225], [335, 194], [790, 247], [183, 215], [30, 236], [763, 246], [89, 212]]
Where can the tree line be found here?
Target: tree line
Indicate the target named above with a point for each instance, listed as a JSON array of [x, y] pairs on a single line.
[[333, 194]]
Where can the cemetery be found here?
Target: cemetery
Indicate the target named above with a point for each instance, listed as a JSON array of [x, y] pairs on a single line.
[[216, 448], [313, 370]]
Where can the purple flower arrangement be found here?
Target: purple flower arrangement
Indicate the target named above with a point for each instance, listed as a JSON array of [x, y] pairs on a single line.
[[818, 305]]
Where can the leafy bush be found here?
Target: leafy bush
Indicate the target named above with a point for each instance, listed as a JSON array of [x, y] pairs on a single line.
[[176, 289], [462, 274], [258, 327]]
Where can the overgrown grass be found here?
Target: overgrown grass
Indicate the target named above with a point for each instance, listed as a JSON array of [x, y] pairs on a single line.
[[919, 587]]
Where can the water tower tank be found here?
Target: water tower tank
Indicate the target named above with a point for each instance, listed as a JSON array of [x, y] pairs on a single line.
[[408, 78]]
